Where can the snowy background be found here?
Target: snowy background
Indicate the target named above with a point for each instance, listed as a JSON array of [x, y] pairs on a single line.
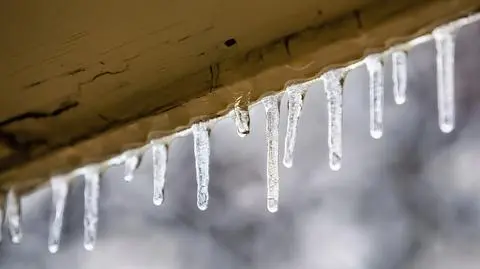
[[408, 200]]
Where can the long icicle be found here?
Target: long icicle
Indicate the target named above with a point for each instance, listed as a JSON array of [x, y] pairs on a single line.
[[445, 44], [201, 148], [333, 81], [272, 118], [13, 217], [59, 187], [399, 76], [92, 189], [241, 118], [131, 164], [160, 155], [375, 70], [2, 203], [295, 97]]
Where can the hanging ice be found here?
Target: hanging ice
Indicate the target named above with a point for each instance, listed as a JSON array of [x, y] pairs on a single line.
[[272, 115], [295, 96], [202, 158], [159, 152], [375, 70], [13, 217], [131, 164], [445, 44], [92, 189], [333, 81], [399, 76], [241, 117], [59, 195], [1, 222]]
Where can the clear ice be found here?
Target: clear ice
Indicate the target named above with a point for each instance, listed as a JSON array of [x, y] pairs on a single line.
[[201, 148], [295, 96], [92, 189], [131, 164], [13, 217], [159, 152], [272, 118], [445, 44], [241, 118], [59, 187], [333, 81], [375, 71], [399, 76]]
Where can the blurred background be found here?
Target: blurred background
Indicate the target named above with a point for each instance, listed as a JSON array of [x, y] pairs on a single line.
[[408, 200]]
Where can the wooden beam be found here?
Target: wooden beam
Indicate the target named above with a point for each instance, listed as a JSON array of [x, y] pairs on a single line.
[[258, 72]]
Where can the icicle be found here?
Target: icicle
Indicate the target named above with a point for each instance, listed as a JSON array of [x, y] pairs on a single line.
[[159, 152], [295, 96], [202, 159], [59, 195], [333, 81], [13, 217], [131, 164], [1, 222], [241, 117], [399, 76], [92, 189], [375, 70], [445, 44], [272, 110]]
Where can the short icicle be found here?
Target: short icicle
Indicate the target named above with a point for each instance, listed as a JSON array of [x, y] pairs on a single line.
[[445, 44], [295, 97], [59, 187], [241, 118], [131, 164], [201, 148], [13, 217], [375, 71], [399, 76], [272, 118], [92, 190], [159, 152], [333, 83]]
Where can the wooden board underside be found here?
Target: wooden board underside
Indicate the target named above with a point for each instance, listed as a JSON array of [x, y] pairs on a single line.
[[253, 73]]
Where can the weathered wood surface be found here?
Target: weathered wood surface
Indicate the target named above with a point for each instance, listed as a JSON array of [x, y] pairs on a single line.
[[80, 81]]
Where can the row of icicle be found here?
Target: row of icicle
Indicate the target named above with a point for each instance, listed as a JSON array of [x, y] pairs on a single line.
[[444, 37]]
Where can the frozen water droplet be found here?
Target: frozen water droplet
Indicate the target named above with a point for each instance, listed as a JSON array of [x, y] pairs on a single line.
[[375, 71], [59, 187], [13, 217], [399, 76], [272, 115], [241, 118], [92, 189], [131, 164], [333, 81], [445, 44], [295, 96], [159, 152], [202, 158]]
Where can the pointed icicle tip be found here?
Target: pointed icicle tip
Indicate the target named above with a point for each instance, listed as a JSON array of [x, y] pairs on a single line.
[[272, 115], [91, 193], [160, 157], [13, 217], [59, 187], [295, 98], [241, 117], [333, 84], [201, 146], [375, 70], [445, 45]]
